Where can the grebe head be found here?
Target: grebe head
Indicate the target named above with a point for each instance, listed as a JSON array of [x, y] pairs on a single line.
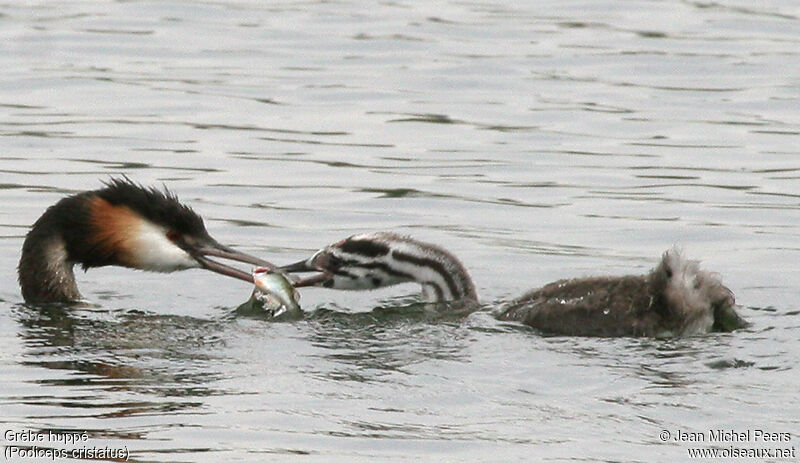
[[122, 224], [375, 260], [695, 297]]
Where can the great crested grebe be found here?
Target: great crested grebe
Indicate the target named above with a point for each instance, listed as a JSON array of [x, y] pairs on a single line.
[[675, 298], [123, 224]]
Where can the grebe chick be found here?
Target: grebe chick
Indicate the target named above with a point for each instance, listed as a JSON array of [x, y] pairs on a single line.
[[376, 260], [675, 298], [123, 224]]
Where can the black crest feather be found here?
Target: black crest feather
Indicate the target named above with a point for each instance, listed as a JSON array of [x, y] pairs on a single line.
[[157, 206]]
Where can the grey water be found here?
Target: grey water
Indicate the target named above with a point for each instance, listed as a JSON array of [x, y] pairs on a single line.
[[535, 140]]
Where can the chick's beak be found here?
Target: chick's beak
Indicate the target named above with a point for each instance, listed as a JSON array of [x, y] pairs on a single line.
[[304, 266], [214, 249], [298, 267]]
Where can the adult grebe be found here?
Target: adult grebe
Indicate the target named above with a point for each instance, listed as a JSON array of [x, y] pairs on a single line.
[[122, 224], [675, 298]]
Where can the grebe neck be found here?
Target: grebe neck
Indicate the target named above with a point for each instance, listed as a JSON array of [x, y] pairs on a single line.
[[45, 273], [442, 276]]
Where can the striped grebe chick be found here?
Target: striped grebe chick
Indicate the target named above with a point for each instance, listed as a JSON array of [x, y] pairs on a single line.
[[376, 260], [675, 298], [122, 224]]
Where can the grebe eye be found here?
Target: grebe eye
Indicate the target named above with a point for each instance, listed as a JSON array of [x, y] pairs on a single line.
[[173, 236], [260, 270], [334, 263]]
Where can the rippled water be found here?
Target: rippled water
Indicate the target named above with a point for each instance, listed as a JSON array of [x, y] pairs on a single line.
[[535, 141]]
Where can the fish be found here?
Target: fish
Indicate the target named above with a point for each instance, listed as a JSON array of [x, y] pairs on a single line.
[[275, 294]]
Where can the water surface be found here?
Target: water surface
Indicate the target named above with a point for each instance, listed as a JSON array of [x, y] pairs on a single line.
[[536, 142]]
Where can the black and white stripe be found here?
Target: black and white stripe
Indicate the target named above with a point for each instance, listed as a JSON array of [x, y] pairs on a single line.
[[376, 260]]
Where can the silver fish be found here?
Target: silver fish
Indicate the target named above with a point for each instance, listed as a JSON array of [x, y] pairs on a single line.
[[275, 293]]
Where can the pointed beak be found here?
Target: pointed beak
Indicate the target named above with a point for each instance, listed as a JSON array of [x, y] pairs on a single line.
[[214, 249], [298, 267], [306, 266]]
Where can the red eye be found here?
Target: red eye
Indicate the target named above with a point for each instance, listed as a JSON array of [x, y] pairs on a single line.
[[173, 236], [260, 270]]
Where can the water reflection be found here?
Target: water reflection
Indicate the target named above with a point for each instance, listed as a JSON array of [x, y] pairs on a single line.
[[390, 338], [166, 360]]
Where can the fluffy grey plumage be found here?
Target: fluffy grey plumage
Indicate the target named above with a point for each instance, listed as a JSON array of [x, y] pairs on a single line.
[[675, 298]]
